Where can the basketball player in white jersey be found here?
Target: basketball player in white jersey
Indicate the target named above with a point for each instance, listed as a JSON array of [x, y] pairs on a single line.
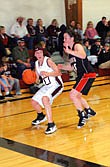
[[53, 86]]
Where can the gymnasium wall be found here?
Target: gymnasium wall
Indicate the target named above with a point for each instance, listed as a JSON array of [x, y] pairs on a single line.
[[49, 9], [94, 10], [45, 9]]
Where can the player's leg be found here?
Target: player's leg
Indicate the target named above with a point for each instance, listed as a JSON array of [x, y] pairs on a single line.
[[90, 112], [40, 116], [87, 83], [75, 96], [51, 125]]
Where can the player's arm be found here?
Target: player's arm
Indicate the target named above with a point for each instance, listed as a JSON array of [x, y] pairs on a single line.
[[66, 67], [55, 72], [37, 75], [78, 51]]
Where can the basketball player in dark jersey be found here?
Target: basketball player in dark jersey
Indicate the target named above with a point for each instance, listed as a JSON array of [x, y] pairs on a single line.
[[85, 76]]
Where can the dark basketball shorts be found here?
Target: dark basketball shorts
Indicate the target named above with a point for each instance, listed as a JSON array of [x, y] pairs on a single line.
[[84, 84]]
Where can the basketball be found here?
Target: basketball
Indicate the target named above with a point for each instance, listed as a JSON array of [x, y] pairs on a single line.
[[29, 77]]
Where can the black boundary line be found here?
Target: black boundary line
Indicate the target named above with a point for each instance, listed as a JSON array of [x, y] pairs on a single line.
[[61, 158], [44, 155]]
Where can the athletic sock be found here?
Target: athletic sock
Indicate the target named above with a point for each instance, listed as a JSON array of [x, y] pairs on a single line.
[[40, 114]]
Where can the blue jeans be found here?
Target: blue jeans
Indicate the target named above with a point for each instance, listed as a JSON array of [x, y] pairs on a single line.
[[14, 84]]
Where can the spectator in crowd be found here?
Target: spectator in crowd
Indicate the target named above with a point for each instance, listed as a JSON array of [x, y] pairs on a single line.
[[41, 32], [72, 26], [86, 47], [96, 47], [108, 26], [90, 32], [31, 30], [107, 39], [52, 31], [79, 30], [19, 30], [1, 94], [6, 43], [104, 57], [101, 28], [4, 84], [2, 51], [21, 57], [14, 82], [30, 27], [61, 38], [95, 51]]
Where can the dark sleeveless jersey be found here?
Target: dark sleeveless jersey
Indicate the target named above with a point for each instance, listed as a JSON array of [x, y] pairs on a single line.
[[81, 66]]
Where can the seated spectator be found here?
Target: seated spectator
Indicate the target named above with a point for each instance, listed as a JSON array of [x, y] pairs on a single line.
[[4, 84], [104, 57], [14, 82], [19, 30], [41, 32], [30, 27], [52, 31], [72, 26], [90, 32], [95, 51], [96, 47], [86, 47], [1, 95], [77, 36], [61, 38], [31, 30], [2, 51], [79, 31], [101, 28], [107, 38], [5, 41], [21, 57]]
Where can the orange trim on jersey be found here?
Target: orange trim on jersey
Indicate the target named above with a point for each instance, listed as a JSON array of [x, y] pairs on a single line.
[[81, 84], [90, 75], [84, 80]]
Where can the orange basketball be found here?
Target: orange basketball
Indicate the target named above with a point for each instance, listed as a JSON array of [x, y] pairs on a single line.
[[29, 76]]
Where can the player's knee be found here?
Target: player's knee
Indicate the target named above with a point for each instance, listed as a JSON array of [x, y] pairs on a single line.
[[34, 102], [45, 100], [73, 95]]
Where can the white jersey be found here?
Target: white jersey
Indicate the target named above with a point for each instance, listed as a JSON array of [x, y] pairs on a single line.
[[45, 67], [53, 86]]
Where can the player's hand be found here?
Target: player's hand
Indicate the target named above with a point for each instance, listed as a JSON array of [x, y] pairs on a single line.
[[66, 47], [60, 66], [44, 74]]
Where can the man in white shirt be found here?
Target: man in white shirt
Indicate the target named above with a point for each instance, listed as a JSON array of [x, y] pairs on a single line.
[[19, 30]]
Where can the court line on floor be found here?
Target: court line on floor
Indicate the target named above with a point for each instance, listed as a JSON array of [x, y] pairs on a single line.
[[55, 106], [44, 155]]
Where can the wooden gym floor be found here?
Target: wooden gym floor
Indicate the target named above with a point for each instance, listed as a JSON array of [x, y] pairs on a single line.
[[27, 146]]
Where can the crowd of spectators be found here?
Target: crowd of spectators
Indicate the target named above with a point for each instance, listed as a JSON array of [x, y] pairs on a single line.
[[14, 48]]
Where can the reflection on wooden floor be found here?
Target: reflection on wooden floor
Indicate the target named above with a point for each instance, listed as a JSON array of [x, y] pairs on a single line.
[[91, 143]]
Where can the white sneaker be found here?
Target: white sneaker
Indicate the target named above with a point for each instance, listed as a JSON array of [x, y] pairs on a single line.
[[51, 129], [39, 120]]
